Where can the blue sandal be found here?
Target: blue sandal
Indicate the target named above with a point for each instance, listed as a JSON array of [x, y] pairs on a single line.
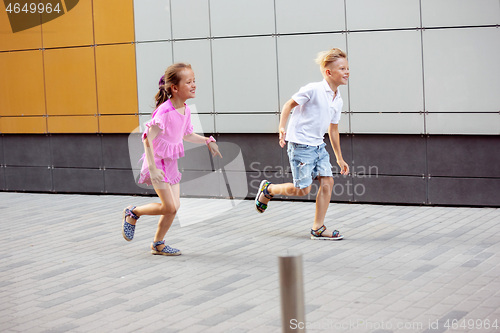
[[128, 229], [259, 205], [166, 251], [318, 234]]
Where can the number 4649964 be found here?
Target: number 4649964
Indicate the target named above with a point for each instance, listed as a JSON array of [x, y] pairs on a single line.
[[32, 8], [472, 324]]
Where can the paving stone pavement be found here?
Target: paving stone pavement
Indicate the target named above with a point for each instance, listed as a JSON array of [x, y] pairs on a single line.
[[66, 268]]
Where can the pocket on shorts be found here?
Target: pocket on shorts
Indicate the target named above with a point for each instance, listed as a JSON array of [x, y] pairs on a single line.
[[300, 146]]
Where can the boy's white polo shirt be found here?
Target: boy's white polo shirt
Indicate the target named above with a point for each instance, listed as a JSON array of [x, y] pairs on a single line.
[[316, 110]]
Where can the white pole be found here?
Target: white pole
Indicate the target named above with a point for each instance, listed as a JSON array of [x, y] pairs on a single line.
[[292, 293]]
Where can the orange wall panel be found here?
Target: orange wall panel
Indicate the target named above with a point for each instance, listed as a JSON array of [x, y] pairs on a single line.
[[21, 125], [118, 124], [74, 28], [30, 38], [113, 21], [70, 81], [22, 85], [72, 124], [116, 79]]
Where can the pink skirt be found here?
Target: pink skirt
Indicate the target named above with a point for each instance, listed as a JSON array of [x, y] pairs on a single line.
[[169, 167]]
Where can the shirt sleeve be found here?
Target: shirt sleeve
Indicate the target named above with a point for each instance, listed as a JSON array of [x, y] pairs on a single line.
[[337, 114], [336, 117], [153, 122], [303, 95]]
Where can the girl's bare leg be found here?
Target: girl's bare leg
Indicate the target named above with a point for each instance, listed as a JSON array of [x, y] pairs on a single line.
[[167, 209], [170, 198]]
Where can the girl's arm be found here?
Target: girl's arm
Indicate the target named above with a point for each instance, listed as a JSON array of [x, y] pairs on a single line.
[[285, 113], [195, 138], [333, 132], [198, 139], [156, 174]]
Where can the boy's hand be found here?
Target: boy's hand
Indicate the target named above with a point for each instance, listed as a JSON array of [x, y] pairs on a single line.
[[282, 137], [344, 168], [214, 149]]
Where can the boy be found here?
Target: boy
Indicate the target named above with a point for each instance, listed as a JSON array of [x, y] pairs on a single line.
[[318, 107]]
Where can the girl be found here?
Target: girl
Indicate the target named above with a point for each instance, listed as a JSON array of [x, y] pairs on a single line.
[[162, 139], [317, 107]]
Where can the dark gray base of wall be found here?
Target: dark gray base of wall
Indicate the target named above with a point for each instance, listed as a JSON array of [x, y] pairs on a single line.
[[392, 169]]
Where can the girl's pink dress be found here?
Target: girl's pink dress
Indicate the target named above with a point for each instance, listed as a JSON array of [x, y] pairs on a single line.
[[168, 145]]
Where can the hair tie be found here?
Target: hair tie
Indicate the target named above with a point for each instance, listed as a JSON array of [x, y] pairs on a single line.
[[161, 84]]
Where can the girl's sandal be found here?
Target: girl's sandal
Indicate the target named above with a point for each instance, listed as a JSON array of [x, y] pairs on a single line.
[[318, 234], [128, 229], [259, 205], [166, 251]]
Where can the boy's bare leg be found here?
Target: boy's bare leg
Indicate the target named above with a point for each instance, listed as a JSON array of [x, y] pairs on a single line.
[[322, 202], [288, 189]]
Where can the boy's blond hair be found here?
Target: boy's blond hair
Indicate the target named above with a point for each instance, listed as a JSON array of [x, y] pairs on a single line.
[[327, 57]]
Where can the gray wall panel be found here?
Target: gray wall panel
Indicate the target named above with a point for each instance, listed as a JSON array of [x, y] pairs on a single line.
[[382, 14], [37, 179], [464, 156], [2, 178], [260, 152], [115, 151], [437, 13], [200, 184], [76, 150], [234, 184], [152, 20], [190, 19], [463, 169], [236, 18], [78, 180], [390, 189], [122, 182], [197, 157], [452, 86], [26, 150], [345, 147], [342, 190], [389, 155], [1, 150], [294, 16], [464, 191]]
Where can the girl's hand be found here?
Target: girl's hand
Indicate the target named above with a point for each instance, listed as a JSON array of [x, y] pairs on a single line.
[[157, 176], [282, 137], [214, 149], [344, 168]]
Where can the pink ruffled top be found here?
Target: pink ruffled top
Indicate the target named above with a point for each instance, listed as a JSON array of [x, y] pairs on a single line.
[[174, 126]]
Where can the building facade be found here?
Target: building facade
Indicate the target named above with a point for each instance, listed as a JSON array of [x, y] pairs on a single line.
[[421, 116]]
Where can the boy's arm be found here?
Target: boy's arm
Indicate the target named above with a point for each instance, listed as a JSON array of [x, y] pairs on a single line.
[[333, 132], [285, 113]]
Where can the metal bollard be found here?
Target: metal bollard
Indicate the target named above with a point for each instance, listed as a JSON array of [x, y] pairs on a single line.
[[292, 293]]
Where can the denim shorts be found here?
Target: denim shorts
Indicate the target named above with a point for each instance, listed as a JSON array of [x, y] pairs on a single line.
[[308, 162]]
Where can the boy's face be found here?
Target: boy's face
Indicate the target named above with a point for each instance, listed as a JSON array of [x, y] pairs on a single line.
[[337, 72]]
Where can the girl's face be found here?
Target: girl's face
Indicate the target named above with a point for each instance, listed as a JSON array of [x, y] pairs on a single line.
[[187, 86], [338, 71]]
